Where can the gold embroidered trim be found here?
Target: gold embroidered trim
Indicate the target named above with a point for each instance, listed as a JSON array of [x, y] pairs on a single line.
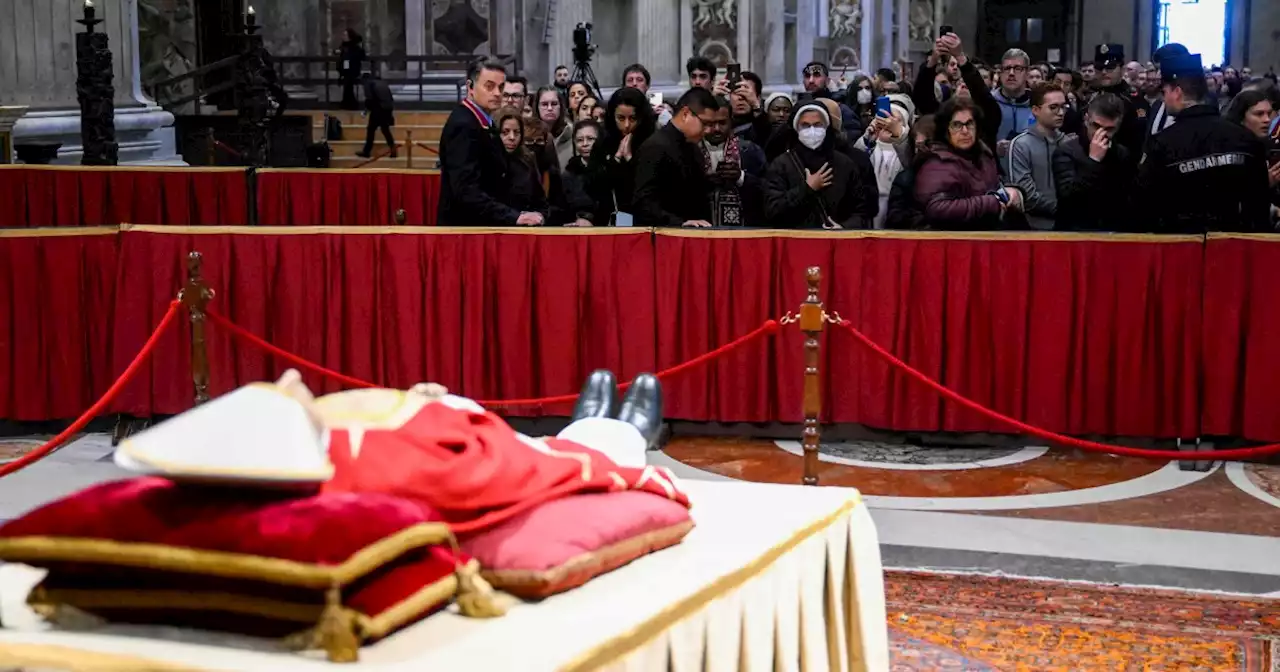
[[50, 657], [379, 230], [615, 649], [89, 599], [35, 550], [1000, 236], [512, 580], [59, 231]]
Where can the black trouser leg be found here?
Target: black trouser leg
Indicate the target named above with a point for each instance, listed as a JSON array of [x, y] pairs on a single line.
[[385, 124], [368, 133]]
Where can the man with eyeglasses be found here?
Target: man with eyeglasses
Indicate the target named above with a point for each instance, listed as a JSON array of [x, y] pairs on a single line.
[[1013, 98], [1030, 165], [1110, 59], [672, 187], [515, 92], [817, 84]]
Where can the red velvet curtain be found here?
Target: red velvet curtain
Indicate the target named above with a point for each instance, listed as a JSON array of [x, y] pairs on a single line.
[[36, 196], [1079, 335], [346, 197], [499, 316], [56, 297], [1241, 331]]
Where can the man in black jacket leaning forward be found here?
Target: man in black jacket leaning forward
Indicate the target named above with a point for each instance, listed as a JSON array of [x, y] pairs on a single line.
[[472, 167], [672, 187]]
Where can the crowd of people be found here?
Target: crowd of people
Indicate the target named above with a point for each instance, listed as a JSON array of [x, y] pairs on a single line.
[[1167, 146]]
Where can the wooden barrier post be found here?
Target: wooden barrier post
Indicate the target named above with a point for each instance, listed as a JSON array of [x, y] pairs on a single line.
[[408, 146], [195, 295], [812, 320]]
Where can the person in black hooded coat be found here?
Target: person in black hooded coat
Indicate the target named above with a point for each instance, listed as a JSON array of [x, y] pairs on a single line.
[[813, 185]]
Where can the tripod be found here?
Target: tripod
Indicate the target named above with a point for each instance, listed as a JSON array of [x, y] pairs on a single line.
[[582, 72]]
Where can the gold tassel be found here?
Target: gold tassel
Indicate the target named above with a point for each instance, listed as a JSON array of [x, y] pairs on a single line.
[[476, 598], [336, 632]]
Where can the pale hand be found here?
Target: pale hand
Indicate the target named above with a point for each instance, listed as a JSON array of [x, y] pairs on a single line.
[[1099, 145], [953, 46], [821, 179], [580, 222], [1015, 199], [529, 219], [1002, 148], [1273, 174], [697, 224], [831, 224], [748, 92], [721, 88], [624, 149]]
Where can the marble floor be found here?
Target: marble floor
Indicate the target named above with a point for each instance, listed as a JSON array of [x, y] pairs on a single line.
[[1024, 527]]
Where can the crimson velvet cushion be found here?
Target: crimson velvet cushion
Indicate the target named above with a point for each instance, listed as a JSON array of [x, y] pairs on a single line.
[[566, 542], [327, 570]]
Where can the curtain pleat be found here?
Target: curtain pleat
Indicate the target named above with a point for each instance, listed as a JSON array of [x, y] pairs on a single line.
[[43, 197], [1083, 337], [346, 198]]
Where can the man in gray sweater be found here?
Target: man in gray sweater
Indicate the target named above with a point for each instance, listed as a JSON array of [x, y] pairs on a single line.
[[1030, 165]]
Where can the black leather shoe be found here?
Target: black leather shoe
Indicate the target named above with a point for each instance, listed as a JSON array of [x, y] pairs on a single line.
[[599, 396], [642, 407]]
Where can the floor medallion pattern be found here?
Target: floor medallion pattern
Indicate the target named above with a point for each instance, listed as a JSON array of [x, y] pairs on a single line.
[[880, 455], [12, 449]]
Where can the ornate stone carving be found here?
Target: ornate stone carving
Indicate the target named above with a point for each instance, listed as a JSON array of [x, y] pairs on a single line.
[[845, 19], [922, 27], [96, 93], [459, 26], [715, 30], [167, 44]]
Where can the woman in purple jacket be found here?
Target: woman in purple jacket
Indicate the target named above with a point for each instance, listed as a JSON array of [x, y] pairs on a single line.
[[958, 184]]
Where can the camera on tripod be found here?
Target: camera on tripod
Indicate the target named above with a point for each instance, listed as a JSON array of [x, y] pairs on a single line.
[[582, 47]]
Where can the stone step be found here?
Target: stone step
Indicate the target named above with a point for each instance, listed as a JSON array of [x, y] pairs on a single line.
[[429, 133], [353, 118], [421, 161], [342, 148]]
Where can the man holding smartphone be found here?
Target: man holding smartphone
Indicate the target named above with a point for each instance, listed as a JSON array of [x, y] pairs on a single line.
[[922, 93]]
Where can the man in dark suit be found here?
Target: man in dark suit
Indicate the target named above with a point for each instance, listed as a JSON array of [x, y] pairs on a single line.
[[473, 174], [672, 187], [380, 106]]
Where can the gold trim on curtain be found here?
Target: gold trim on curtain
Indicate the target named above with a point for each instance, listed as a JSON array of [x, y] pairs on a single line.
[[373, 230], [1062, 237]]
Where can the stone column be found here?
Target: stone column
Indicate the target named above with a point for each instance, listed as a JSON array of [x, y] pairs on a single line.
[[568, 14], [664, 39], [868, 54], [806, 28], [415, 31], [39, 70], [768, 49], [884, 33], [903, 50]]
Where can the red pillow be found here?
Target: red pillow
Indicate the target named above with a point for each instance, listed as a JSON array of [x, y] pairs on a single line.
[[566, 542], [333, 569]]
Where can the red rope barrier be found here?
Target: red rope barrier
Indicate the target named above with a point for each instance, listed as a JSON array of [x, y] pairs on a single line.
[[768, 328], [128, 374], [1061, 439]]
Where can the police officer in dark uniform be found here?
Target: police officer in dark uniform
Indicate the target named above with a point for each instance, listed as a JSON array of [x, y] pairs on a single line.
[[1203, 173], [1133, 130]]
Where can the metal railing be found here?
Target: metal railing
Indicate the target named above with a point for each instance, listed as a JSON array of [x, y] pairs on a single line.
[[319, 75]]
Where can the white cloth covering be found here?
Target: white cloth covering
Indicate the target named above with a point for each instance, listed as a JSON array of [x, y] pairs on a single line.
[[619, 441], [770, 571]]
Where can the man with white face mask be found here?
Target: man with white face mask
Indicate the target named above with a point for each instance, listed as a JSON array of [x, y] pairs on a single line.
[[813, 185]]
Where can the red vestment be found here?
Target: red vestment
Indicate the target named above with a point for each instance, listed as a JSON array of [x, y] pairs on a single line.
[[476, 470]]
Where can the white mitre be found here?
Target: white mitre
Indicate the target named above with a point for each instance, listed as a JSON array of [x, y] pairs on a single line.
[[261, 433], [270, 433]]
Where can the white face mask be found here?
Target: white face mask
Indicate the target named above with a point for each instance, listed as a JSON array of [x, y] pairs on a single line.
[[812, 137], [864, 96]]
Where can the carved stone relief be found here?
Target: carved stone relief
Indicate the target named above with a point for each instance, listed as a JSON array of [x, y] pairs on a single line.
[[715, 30], [459, 26]]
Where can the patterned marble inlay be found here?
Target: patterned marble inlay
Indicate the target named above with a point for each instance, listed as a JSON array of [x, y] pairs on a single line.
[[12, 449], [1266, 477], [891, 453]]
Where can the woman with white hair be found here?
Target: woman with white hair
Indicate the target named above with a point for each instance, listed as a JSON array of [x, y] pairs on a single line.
[[812, 185], [887, 144]]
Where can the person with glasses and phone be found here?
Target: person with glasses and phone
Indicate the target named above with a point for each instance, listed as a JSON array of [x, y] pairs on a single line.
[[973, 85], [958, 183]]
